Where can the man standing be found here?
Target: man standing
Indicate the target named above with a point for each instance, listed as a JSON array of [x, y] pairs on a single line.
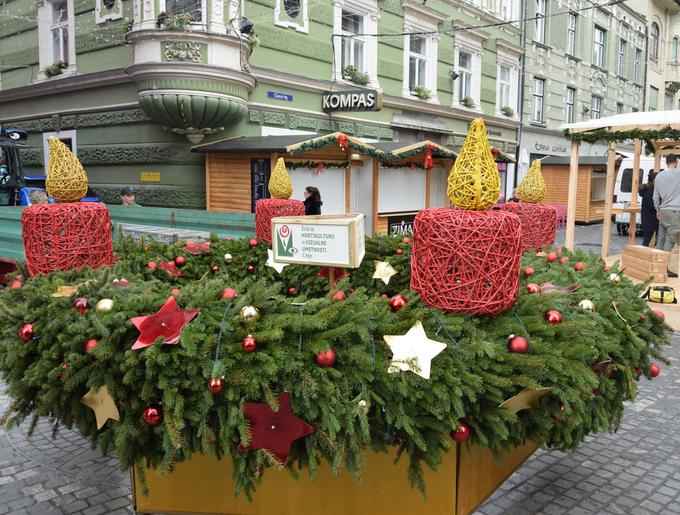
[[127, 197], [667, 204]]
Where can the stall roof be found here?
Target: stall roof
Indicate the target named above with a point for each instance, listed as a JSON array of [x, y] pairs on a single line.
[[253, 143], [643, 120]]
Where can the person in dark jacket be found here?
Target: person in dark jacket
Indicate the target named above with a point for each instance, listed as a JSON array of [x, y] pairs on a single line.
[[648, 218], [312, 201]]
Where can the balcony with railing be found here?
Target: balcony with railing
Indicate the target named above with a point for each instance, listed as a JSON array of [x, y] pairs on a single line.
[[672, 77]]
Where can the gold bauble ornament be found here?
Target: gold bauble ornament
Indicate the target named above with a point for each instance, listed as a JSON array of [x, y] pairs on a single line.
[[615, 277], [279, 182], [474, 182], [586, 305], [228, 258], [104, 305], [250, 313], [532, 187], [66, 179]]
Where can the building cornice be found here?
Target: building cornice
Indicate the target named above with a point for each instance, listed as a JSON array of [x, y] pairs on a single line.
[[509, 48], [473, 11], [55, 86], [420, 10], [470, 31]]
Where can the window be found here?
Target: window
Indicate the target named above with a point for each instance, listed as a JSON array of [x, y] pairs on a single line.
[[505, 84], [595, 107], [539, 35], [599, 44], [464, 75], [417, 62], [637, 70], [56, 38], [570, 100], [508, 10], [654, 42], [192, 8], [68, 138], [352, 47], [292, 14], [59, 32], [619, 108], [667, 102], [674, 50], [627, 180], [571, 34], [653, 98], [537, 111], [621, 65]]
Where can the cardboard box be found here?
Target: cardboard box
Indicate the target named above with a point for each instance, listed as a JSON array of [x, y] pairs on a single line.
[[644, 266], [647, 253], [643, 275]]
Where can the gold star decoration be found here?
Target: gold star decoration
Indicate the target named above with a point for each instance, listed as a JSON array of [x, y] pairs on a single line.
[[103, 405], [413, 351], [526, 399], [67, 291], [384, 271], [270, 262]]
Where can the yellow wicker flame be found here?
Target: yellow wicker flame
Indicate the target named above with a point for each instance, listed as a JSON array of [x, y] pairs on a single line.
[[532, 187], [474, 182], [279, 183], [66, 178]]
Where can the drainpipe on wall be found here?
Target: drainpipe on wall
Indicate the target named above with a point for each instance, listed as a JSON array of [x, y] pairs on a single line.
[[522, 86], [644, 78]]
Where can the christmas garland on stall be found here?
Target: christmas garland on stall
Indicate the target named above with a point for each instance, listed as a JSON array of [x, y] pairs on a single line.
[[337, 138], [598, 135], [245, 336], [294, 164]]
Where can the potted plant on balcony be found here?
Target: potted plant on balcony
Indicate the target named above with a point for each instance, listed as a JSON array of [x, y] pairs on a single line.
[[508, 111], [351, 73], [55, 69], [178, 22], [468, 102], [422, 93]]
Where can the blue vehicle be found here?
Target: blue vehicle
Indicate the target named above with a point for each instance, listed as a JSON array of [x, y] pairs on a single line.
[[37, 182]]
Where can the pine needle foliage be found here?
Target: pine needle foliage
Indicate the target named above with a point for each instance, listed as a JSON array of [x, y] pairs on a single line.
[[353, 405]]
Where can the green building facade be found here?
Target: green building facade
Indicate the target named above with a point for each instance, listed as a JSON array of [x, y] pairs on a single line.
[[131, 85]]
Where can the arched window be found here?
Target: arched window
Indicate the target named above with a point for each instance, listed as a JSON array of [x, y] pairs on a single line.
[[654, 42], [674, 50]]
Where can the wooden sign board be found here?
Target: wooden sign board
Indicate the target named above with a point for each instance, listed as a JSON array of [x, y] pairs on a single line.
[[323, 240]]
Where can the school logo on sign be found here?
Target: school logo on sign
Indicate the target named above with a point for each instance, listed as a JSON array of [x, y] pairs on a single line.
[[284, 242]]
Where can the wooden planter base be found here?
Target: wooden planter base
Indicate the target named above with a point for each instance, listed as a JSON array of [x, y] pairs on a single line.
[[461, 483]]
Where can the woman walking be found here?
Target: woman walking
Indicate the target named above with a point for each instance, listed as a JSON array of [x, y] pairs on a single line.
[[648, 218], [312, 201]]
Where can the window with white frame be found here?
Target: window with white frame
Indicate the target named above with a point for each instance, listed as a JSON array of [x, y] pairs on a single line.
[[56, 48], [674, 50], [508, 10], [59, 31], [571, 34], [599, 45], [352, 19], [654, 34], [539, 34], [595, 107], [570, 104], [292, 14], [504, 85], [653, 98], [417, 61], [467, 61], [108, 10], [464, 75], [637, 66], [537, 108], [621, 64]]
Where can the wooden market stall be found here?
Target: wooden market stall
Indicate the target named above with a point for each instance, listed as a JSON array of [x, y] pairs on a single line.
[[590, 188]]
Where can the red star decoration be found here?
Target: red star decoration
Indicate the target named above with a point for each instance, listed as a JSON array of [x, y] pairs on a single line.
[[171, 268], [339, 273], [274, 430], [167, 322], [194, 247]]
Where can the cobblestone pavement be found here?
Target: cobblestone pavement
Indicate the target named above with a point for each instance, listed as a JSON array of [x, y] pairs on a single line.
[[635, 471]]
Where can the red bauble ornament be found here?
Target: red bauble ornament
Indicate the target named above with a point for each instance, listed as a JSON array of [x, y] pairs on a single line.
[[215, 269], [551, 257], [579, 266], [638, 371], [291, 291], [26, 332], [461, 433], [180, 261], [399, 252], [563, 260], [326, 358], [81, 304], [16, 283], [654, 370], [405, 239], [339, 295], [90, 345], [249, 344], [152, 265], [659, 314], [553, 317], [250, 269], [528, 271], [252, 242], [153, 415], [175, 292], [518, 344], [121, 283], [228, 293], [215, 385], [384, 295], [397, 302], [533, 288]]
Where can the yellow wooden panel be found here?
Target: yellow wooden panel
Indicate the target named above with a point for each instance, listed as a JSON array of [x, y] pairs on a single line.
[[479, 473], [150, 176], [204, 485]]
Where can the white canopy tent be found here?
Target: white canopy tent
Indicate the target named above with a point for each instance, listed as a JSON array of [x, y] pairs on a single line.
[[620, 123]]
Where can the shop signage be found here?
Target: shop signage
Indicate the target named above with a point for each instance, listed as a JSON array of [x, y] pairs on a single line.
[[324, 240], [400, 225], [553, 149], [279, 96], [353, 100]]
